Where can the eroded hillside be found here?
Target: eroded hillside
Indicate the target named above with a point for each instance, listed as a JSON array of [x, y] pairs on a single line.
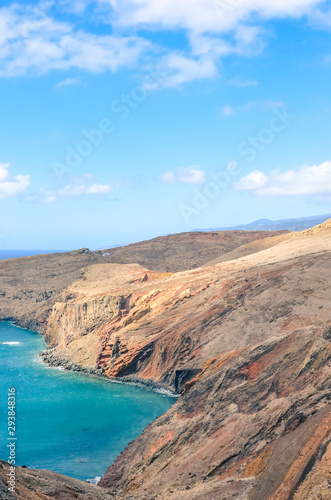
[[247, 344], [30, 286]]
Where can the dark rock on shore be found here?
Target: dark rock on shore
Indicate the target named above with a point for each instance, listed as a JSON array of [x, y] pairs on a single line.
[[44, 485]]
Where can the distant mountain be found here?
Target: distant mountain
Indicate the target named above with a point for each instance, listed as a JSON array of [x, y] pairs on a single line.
[[275, 225]]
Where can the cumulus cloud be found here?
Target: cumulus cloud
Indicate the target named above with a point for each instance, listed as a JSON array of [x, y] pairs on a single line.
[[30, 38], [201, 16], [308, 180], [178, 69], [214, 29], [12, 185], [186, 175], [34, 37], [79, 186]]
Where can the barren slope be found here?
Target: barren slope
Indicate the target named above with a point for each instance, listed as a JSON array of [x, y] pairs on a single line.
[[30, 286], [126, 320], [255, 423], [179, 252]]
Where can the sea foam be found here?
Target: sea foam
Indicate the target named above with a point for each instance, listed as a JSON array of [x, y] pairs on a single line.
[[95, 480]]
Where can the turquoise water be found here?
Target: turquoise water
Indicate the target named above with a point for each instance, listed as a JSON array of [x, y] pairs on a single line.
[[68, 422]]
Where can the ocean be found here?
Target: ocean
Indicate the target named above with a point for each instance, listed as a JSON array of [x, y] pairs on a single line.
[[14, 254], [67, 422]]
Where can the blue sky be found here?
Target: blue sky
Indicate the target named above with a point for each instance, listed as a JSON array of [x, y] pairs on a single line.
[[124, 120]]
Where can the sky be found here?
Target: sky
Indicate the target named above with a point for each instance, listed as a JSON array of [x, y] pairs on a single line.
[[122, 120]]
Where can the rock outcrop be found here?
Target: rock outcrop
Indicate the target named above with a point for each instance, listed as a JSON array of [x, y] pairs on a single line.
[[46, 485], [252, 425]]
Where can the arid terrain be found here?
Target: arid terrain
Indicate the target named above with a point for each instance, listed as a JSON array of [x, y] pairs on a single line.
[[180, 252], [31, 285], [239, 325]]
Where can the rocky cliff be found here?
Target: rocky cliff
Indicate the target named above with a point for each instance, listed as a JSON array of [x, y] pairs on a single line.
[[30, 286], [247, 344], [127, 320]]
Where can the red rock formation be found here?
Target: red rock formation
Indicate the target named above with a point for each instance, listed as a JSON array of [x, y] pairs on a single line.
[[255, 422]]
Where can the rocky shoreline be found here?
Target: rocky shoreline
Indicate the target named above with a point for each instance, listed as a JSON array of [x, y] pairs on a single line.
[[52, 358]]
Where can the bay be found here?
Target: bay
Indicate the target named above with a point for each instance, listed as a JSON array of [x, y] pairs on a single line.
[[68, 422]]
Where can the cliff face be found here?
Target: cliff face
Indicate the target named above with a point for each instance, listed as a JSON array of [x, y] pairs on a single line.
[[247, 344], [255, 422], [128, 321], [252, 426], [30, 286]]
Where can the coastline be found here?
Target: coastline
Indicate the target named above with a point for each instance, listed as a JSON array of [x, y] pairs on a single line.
[[139, 402], [55, 360]]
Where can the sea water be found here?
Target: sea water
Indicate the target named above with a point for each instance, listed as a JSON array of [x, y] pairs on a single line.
[[15, 254], [67, 422]]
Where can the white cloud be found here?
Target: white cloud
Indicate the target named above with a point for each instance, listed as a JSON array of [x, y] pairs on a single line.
[[49, 199], [178, 69], [252, 182], [227, 110], [79, 186], [74, 6], [214, 28], [321, 18], [200, 15], [32, 36], [31, 39], [314, 180], [10, 185], [81, 189], [186, 175], [4, 171], [168, 177], [68, 82]]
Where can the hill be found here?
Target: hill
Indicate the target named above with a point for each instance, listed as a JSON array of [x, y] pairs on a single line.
[[180, 252], [30, 286], [292, 225]]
